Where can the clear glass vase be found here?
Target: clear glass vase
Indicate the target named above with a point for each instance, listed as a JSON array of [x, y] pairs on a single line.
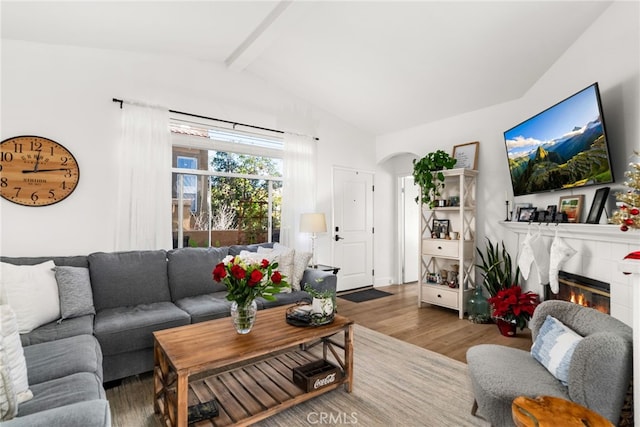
[[243, 316], [478, 307]]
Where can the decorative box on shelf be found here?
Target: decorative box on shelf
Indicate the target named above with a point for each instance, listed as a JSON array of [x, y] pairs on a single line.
[[316, 375]]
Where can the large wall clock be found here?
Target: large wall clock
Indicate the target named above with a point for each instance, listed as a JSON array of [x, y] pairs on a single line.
[[36, 171]]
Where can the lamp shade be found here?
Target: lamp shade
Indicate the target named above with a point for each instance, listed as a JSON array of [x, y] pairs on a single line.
[[313, 223]]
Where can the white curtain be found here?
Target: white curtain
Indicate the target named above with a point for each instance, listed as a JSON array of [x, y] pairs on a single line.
[[144, 179], [299, 189]]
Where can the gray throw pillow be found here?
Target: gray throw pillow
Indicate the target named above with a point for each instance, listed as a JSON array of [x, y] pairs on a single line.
[[74, 290]]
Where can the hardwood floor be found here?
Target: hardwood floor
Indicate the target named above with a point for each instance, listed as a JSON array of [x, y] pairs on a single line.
[[434, 328]]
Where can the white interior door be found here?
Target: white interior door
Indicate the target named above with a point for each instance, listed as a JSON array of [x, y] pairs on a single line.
[[353, 228], [410, 219]]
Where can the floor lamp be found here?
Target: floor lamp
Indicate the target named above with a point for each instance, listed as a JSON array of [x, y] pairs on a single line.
[[313, 223]]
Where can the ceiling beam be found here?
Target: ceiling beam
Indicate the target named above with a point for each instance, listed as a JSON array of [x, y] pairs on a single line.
[[284, 13]]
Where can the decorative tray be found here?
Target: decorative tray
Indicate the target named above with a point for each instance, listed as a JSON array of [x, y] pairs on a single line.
[[300, 315]]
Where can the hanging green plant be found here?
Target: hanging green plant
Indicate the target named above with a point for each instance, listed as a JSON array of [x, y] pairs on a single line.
[[427, 173]]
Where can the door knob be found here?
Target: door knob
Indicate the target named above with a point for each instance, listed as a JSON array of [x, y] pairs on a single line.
[[338, 238]]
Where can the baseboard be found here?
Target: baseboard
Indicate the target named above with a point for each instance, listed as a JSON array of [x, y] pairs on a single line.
[[383, 281]]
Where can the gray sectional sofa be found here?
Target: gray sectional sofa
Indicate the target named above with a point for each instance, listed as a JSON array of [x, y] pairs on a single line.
[[134, 294]]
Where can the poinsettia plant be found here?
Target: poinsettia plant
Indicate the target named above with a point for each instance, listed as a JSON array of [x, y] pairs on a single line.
[[513, 305], [248, 278]]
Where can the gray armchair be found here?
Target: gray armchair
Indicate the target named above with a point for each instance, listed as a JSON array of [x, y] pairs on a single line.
[[599, 372]]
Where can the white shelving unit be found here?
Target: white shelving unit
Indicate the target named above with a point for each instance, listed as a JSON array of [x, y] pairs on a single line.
[[437, 254]]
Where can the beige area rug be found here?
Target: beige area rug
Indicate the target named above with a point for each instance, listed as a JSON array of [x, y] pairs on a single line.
[[395, 384]]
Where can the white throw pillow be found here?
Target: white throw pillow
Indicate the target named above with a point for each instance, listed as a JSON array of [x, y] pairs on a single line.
[[300, 264], [12, 347], [32, 293], [285, 261], [271, 256], [8, 398], [554, 347]]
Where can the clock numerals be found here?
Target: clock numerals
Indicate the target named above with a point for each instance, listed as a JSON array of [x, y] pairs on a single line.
[[37, 146], [17, 148], [15, 196], [4, 182], [6, 156]]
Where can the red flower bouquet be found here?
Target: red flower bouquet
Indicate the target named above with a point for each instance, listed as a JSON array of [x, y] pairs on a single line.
[[247, 278], [514, 306]]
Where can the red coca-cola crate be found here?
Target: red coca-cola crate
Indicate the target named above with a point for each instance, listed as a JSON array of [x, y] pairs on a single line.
[[317, 375]]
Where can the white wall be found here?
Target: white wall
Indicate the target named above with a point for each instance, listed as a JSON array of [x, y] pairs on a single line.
[[608, 52], [64, 93]]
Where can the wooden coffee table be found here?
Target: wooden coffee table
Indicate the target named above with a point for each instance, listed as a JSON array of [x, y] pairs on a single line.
[[249, 375]]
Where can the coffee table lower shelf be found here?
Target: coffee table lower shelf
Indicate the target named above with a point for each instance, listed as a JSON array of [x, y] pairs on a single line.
[[248, 393]]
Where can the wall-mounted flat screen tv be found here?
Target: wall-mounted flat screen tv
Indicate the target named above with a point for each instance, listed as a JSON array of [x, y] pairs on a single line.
[[563, 147]]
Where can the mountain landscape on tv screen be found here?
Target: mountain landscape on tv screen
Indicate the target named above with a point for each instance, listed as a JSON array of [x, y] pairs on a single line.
[[573, 160]]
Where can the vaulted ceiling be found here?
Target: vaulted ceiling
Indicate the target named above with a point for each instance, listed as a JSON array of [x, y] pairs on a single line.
[[380, 65]]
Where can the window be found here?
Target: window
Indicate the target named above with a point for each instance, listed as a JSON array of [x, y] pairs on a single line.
[[226, 185]]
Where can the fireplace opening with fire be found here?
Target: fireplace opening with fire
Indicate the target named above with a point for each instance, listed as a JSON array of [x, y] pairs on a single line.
[[582, 290]]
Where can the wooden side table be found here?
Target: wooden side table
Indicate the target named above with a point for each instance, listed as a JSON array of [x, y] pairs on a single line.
[[549, 411]]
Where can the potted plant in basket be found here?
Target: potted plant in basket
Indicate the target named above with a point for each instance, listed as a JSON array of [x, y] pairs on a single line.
[[246, 279], [427, 173], [512, 308]]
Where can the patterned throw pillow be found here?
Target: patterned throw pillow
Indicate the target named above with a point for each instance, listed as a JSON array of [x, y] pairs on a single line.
[[8, 399], [285, 262], [300, 263], [270, 256], [554, 347], [74, 288], [12, 348]]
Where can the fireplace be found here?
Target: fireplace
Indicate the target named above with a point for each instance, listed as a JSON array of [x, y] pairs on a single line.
[[582, 290]]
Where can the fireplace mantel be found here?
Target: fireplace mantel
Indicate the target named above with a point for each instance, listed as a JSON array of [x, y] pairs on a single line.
[[598, 232]]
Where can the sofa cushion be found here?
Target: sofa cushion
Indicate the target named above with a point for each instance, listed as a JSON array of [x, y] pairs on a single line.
[[206, 307], [92, 413], [79, 387], [120, 279], [58, 330], [32, 293], [74, 290], [124, 329], [56, 359], [554, 347], [190, 271], [499, 374]]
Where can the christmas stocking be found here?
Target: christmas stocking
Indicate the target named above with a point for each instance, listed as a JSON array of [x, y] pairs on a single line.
[[526, 256], [560, 253], [540, 258]]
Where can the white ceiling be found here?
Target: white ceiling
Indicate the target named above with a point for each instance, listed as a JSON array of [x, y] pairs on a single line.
[[380, 65]]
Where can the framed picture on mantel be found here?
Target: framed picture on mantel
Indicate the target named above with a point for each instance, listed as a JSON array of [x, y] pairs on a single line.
[[572, 206], [466, 155]]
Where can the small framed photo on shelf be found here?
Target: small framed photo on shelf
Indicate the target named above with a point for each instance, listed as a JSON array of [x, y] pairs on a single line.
[[572, 206], [599, 200], [440, 228], [516, 210], [466, 155], [526, 214]]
